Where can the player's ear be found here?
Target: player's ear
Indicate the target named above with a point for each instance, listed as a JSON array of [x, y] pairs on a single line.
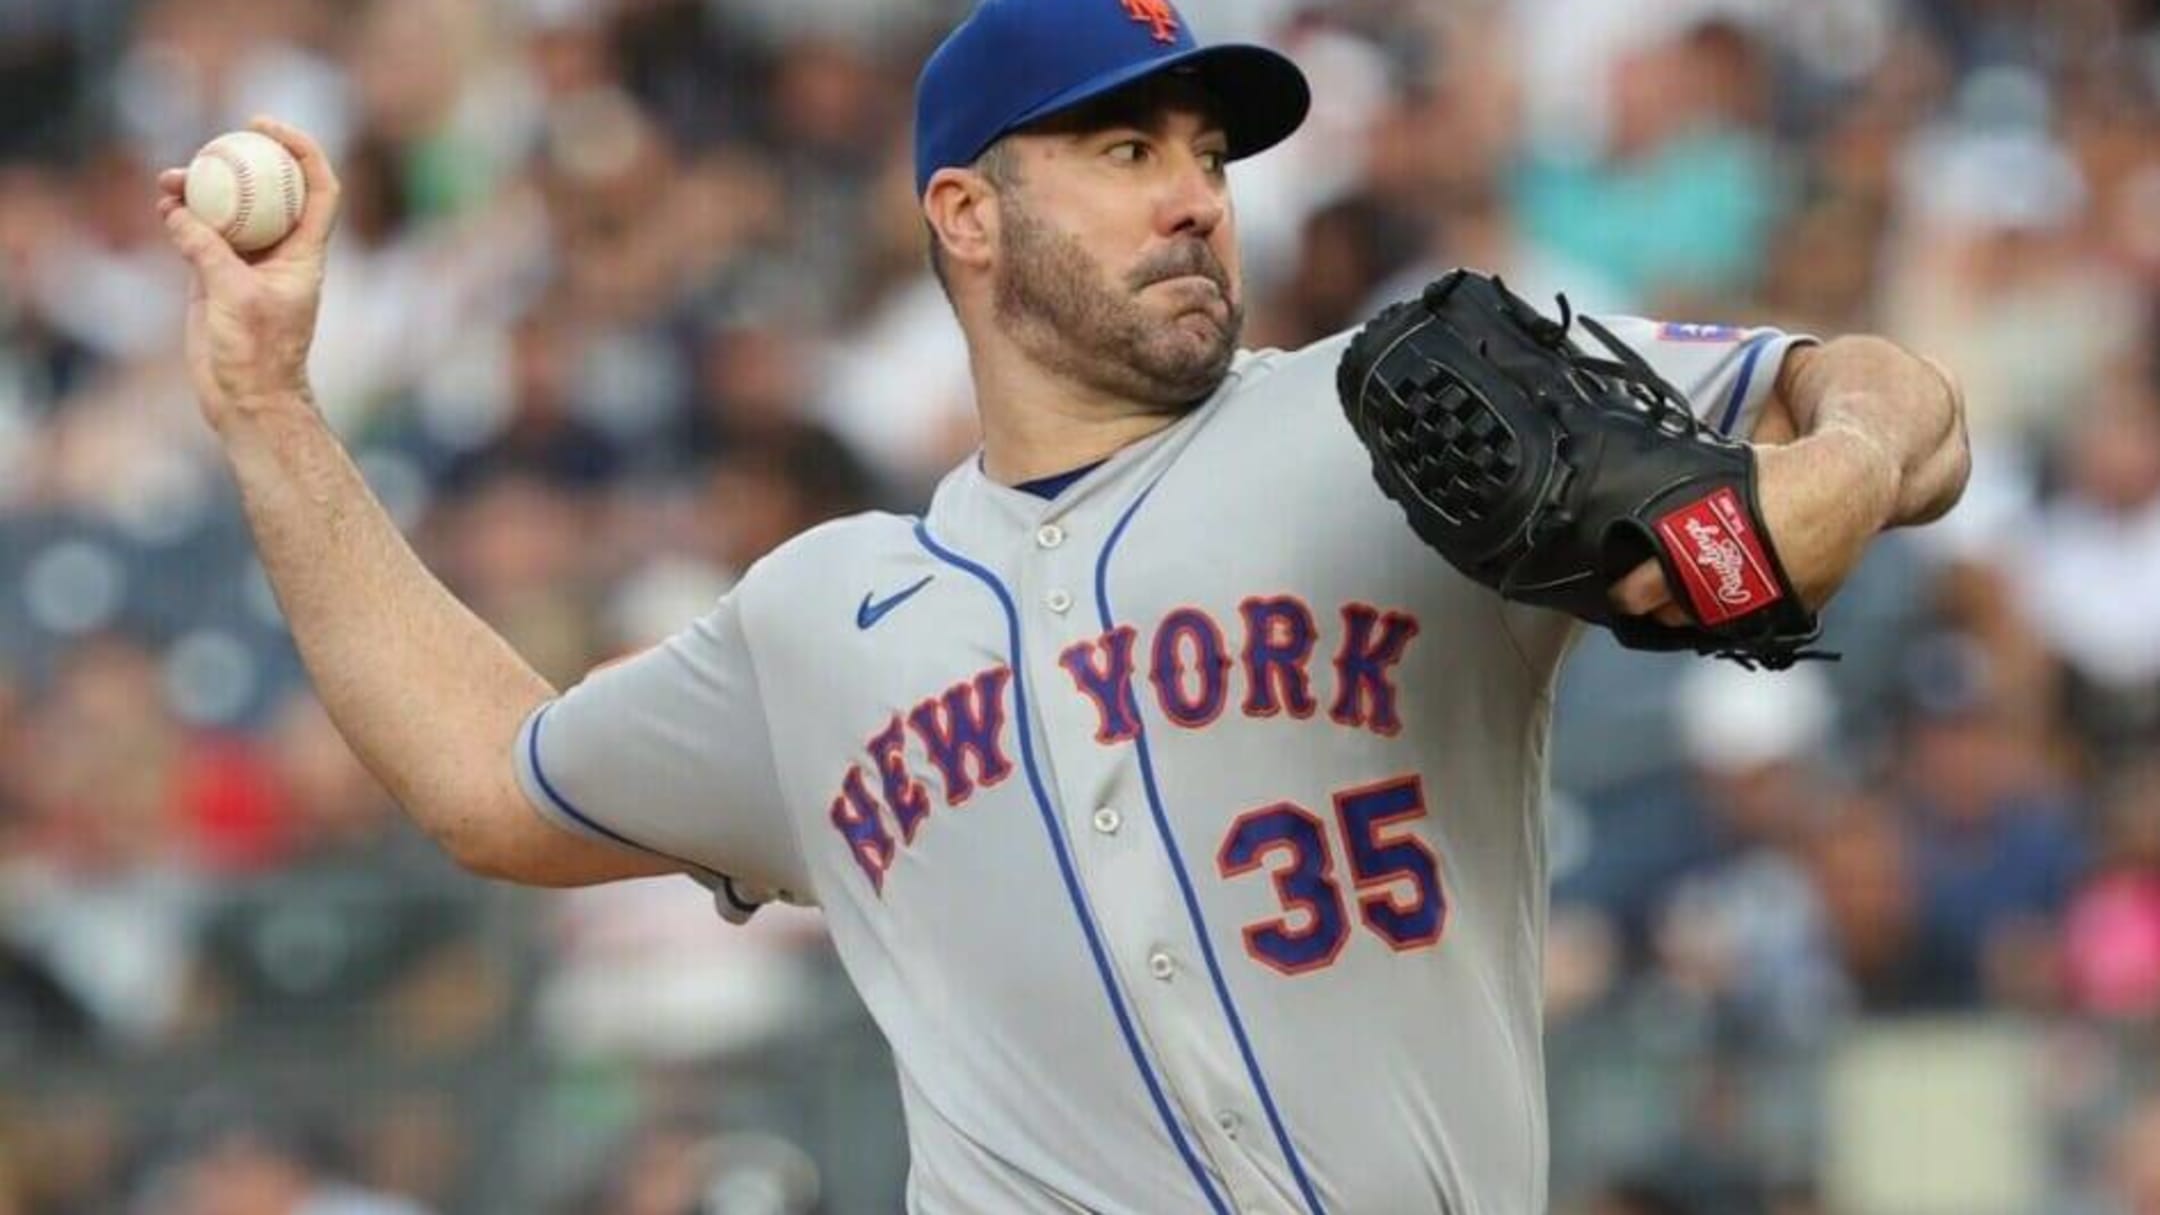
[[961, 207]]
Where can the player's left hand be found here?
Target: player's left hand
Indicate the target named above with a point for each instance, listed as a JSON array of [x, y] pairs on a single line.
[[1823, 499], [1524, 461]]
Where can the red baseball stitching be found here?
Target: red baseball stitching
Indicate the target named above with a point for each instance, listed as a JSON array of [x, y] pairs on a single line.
[[244, 185], [289, 187]]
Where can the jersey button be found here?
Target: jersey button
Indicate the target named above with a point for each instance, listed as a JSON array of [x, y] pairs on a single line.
[[1161, 966], [1229, 1122], [1058, 601], [1050, 535], [1108, 820]]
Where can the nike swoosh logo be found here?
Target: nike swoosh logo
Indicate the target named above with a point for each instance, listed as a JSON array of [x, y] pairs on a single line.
[[870, 613]]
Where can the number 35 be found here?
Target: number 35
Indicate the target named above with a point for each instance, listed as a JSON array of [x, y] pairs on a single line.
[[1397, 877]]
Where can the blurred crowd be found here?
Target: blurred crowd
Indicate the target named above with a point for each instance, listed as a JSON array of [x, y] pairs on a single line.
[[629, 291]]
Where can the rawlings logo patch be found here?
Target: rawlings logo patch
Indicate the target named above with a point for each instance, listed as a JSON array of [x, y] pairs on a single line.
[[1157, 15], [1720, 558]]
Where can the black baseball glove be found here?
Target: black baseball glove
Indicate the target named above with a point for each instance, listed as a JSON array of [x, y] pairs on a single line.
[[1548, 474]]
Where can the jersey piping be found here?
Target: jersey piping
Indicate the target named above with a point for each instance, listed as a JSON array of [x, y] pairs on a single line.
[[532, 744], [1184, 879], [1064, 860], [1740, 386]]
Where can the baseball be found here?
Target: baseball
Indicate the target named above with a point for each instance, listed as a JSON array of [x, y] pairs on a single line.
[[248, 187]]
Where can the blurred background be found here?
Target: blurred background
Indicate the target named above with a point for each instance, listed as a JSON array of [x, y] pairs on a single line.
[[629, 291]]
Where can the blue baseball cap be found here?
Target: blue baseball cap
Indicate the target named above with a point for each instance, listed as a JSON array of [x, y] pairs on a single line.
[[1014, 62]]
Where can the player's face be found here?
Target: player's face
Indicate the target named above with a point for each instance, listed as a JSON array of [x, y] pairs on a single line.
[[1117, 258]]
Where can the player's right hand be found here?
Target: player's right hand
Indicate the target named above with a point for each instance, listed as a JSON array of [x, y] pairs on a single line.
[[250, 321]]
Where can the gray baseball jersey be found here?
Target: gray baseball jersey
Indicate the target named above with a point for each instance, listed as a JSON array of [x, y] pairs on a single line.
[[1181, 832]]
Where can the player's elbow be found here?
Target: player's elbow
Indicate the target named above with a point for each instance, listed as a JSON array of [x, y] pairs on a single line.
[[1944, 483], [501, 837], [474, 835], [492, 856], [1943, 473], [484, 827]]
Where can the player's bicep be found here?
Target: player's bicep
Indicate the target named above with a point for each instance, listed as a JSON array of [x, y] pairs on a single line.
[[667, 755]]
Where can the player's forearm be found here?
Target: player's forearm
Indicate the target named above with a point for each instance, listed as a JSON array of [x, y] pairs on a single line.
[[1871, 398], [427, 695]]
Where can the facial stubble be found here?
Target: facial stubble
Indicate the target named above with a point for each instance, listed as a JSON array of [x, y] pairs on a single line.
[[1061, 307]]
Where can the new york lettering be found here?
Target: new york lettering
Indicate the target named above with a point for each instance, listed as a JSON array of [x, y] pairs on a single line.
[[1189, 666]]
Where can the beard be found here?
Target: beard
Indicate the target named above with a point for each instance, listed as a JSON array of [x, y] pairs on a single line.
[[1066, 313]]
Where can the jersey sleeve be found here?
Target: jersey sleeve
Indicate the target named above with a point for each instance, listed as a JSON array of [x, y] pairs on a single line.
[[668, 753], [1726, 372]]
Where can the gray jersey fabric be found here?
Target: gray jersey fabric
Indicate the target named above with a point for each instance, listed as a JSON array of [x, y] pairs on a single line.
[[1183, 834]]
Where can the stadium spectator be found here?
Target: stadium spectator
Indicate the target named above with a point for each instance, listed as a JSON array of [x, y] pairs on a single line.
[[255, 1168], [1994, 838], [2111, 932]]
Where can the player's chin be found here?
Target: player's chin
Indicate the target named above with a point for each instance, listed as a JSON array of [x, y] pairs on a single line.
[[1209, 337], [1185, 362]]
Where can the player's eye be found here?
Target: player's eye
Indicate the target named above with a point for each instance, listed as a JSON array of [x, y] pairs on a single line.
[[1216, 161], [1128, 151]]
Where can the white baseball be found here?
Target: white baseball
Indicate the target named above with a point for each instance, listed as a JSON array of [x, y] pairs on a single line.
[[248, 187]]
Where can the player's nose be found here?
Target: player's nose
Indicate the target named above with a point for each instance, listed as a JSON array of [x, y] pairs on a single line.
[[1193, 201]]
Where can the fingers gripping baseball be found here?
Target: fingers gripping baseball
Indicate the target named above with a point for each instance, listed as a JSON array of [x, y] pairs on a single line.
[[251, 318], [204, 250], [319, 216]]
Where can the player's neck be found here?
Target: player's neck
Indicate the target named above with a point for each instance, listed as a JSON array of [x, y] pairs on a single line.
[[1036, 424], [1032, 448]]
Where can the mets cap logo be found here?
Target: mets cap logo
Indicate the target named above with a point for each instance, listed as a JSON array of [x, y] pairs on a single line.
[[1157, 15]]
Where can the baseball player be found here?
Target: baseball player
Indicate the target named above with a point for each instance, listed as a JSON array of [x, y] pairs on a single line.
[[1176, 812]]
